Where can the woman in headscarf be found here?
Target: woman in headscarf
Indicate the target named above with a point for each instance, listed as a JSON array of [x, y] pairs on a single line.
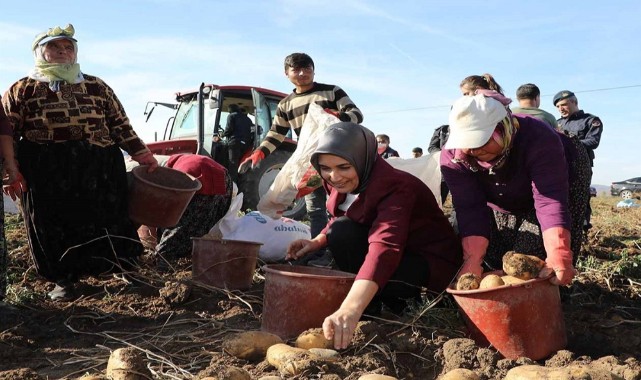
[[69, 129], [9, 170], [386, 227], [206, 208], [516, 185]]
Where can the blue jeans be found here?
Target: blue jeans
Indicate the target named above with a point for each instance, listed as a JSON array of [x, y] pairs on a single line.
[[317, 210]]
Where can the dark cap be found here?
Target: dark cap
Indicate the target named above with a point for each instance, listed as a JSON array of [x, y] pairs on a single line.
[[562, 95]]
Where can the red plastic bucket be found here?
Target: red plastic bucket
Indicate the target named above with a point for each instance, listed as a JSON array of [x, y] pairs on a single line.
[[159, 198], [226, 264], [524, 319], [297, 298]]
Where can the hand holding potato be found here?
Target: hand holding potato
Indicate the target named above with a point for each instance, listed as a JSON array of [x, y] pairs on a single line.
[[340, 327]]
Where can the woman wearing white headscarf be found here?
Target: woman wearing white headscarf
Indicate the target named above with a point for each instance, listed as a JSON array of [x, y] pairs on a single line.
[[69, 129], [386, 227], [516, 185]]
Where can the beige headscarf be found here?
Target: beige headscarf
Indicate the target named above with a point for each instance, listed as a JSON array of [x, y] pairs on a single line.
[[55, 73]]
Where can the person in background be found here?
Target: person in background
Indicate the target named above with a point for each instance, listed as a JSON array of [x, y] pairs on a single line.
[[516, 185], [10, 174], [529, 97], [384, 150], [205, 209], [439, 137], [586, 127], [291, 113], [69, 128], [385, 226], [239, 138], [417, 152], [470, 85]]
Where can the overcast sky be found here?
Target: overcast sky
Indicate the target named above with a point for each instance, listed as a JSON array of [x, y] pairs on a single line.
[[400, 61]]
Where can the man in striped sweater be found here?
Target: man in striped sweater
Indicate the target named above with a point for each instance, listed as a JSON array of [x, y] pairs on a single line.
[[291, 113]]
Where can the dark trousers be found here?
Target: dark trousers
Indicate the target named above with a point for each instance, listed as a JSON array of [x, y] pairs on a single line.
[[348, 243], [444, 191], [236, 150]]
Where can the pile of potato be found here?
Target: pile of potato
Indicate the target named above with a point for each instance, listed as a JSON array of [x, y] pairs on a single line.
[[310, 345], [517, 267]]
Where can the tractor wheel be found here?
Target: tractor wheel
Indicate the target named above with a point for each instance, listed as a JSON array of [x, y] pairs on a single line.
[[257, 181]]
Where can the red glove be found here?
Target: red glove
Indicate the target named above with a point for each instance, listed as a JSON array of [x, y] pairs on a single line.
[[474, 248], [146, 159], [556, 241], [333, 112], [253, 160], [15, 189]]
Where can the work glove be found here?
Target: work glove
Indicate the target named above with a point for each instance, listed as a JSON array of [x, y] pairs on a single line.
[[333, 112], [15, 188], [556, 241], [146, 158], [474, 248], [251, 161]]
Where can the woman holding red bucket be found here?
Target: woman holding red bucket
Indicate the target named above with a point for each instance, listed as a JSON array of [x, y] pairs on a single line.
[[516, 184], [386, 227]]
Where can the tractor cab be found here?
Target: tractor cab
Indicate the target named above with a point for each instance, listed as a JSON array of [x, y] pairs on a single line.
[[201, 114]]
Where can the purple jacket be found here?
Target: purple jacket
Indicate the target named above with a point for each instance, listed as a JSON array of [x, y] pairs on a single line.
[[534, 175]]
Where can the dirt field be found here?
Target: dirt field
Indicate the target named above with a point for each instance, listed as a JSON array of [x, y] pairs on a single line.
[[178, 327]]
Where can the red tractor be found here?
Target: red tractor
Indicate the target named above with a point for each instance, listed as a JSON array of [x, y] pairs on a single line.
[[199, 114]]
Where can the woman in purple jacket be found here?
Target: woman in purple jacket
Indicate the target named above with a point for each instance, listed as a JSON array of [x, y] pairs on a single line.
[[516, 184], [386, 227]]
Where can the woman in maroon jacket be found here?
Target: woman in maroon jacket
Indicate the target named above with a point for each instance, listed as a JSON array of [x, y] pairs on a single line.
[[386, 227]]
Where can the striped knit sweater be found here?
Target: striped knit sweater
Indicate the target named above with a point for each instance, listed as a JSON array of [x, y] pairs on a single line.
[[293, 109]]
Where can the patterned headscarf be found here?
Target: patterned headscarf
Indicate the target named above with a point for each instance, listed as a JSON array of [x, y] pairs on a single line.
[[55, 73]]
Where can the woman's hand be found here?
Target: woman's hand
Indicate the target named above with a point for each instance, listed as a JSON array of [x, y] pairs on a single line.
[[146, 158], [10, 172], [559, 256], [340, 327], [301, 247], [15, 187], [474, 248]]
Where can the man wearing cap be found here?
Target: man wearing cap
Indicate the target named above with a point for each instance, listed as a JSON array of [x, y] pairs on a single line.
[[586, 127], [575, 122], [529, 97], [515, 186], [70, 128]]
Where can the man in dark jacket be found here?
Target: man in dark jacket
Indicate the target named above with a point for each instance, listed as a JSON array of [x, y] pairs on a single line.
[[239, 137], [586, 127]]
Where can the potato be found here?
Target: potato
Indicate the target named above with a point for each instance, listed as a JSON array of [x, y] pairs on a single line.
[[375, 376], [325, 354], [287, 359], [509, 280], [525, 267], [491, 281], [468, 281], [313, 338], [460, 374], [127, 364], [250, 345]]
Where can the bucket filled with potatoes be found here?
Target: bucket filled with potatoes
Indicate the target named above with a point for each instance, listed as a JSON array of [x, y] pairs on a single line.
[[502, 309]]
